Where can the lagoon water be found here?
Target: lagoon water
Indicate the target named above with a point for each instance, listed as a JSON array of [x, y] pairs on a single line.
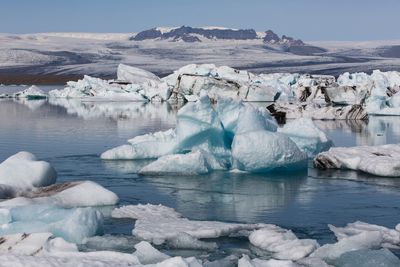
[[71, 134]]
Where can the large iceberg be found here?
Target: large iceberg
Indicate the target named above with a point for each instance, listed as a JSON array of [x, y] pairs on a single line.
[[228, 135], [377, 160], [23, 171]]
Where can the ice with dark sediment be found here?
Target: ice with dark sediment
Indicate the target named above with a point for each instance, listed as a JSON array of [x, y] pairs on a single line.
[[382, 160]]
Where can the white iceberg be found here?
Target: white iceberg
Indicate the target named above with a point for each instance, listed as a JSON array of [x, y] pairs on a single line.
[[391, 237], [148, 146], [263, 151], [307, 136], [365, 240], [376, 160], [23, 171], [33, 92], [193, 163], [158, 224], [147, 254], [282, 243], [69, 194]]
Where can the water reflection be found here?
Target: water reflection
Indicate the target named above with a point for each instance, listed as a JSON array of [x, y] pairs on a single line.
[[231, 196], [379, 130]]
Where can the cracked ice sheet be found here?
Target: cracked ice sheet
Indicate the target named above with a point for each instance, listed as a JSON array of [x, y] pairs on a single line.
[[158, 224]]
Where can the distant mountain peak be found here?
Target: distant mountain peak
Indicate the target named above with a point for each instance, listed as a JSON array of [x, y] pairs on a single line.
[[196, 34]]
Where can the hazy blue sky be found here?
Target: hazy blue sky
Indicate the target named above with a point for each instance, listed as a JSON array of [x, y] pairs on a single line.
[[306, 19]]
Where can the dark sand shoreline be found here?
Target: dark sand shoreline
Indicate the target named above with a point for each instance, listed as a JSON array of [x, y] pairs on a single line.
[[38, 79]]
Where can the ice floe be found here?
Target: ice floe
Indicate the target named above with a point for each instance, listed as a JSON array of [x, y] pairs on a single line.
[[74, 225], [282, 243], [367, 258], [159, 224], [69, 194], [24, 171], [377, 160]]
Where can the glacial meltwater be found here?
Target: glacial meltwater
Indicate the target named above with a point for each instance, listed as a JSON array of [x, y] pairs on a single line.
[[71, 134]]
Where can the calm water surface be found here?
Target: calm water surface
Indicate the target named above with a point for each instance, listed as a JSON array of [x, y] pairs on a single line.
[[72, 134]]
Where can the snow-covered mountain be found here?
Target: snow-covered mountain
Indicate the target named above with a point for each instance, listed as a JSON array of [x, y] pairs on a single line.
[[196, 34], [59, 57]]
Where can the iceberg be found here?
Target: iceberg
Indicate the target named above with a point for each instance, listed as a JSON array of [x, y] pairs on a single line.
[[365, 240], [23, 171], [148, 146], [264, 151], [282, 243], [307, 136], [159, 224], [135, 75], [391, 237], [68, 195], [284, 111], [147, 254], [194, 163], [31, 93], [73, 225], [229, 135], [380, 160]]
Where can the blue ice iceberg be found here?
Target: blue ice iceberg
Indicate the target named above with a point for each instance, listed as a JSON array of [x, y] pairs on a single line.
[[231, 134], [74, 225]]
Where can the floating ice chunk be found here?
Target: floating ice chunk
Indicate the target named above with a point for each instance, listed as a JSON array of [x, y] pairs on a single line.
[[97, 88], [147, 254], [193, 163], [367, 258], [73, 225], [283, 243], [229, 261], [377, 160], [70, 194], [263, 151], [23, 171], [307, 136], [251, 119], [391, 237], [245, 261], [122, 243], [148, 146], [364, 240], [312, 262], [157, 224], [32, 92]]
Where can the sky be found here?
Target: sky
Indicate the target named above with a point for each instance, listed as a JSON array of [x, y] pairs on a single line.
[[304, 19]]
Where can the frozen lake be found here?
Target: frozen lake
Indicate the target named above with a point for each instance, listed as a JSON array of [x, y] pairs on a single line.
[[72, 134]]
